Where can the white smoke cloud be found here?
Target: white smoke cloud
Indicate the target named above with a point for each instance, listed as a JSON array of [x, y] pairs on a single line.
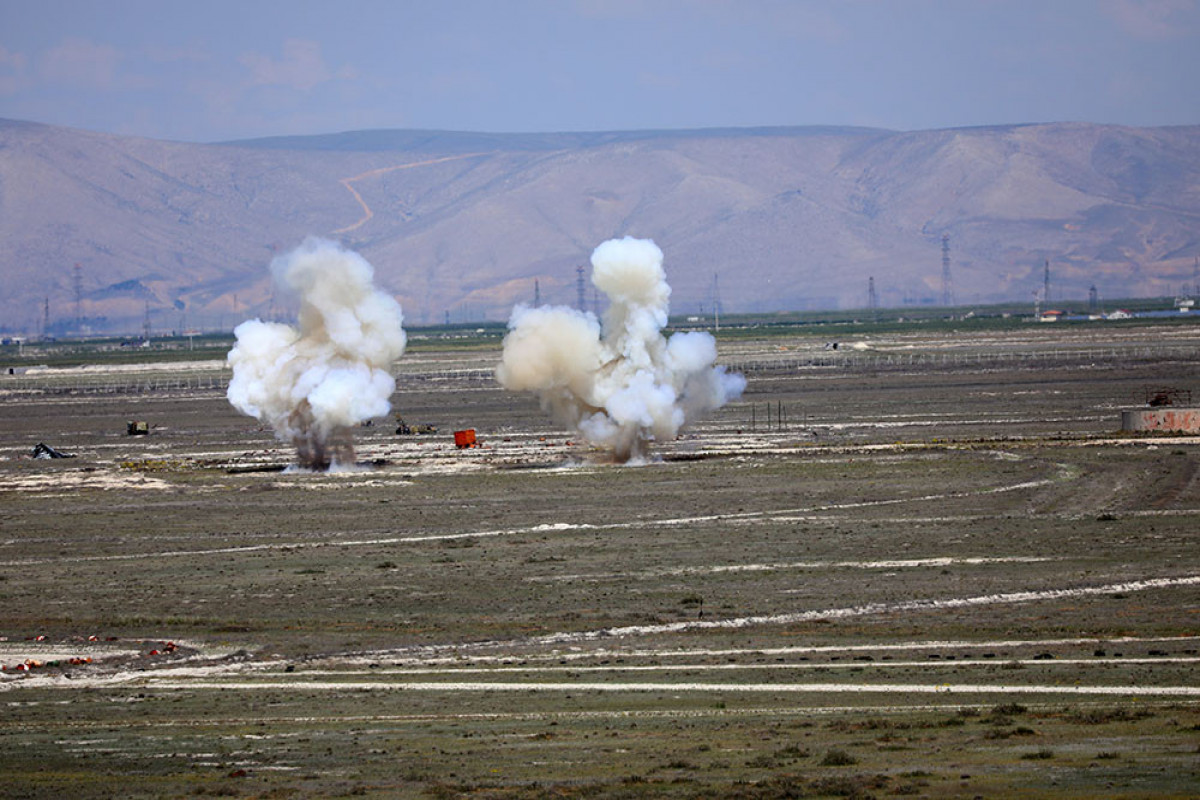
[[313, 382], [623, 385]]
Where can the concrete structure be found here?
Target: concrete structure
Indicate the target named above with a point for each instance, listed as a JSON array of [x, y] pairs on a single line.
[[1174, 419]]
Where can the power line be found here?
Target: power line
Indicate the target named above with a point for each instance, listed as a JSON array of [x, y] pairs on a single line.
[[947, 283]]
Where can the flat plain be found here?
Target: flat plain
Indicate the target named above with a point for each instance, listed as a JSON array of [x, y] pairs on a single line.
[[920, 564]]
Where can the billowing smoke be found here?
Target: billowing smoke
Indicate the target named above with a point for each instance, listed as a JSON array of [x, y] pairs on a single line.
[[313, 382], [621, 385]]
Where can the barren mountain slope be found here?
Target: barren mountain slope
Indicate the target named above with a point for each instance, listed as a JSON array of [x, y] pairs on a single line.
[[462, 225]]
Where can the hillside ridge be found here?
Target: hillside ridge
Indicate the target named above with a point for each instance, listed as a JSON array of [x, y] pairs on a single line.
[[462, 225]]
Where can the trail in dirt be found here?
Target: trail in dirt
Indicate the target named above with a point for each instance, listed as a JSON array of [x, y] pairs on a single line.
[[724, 688], [910, 563], [790, 650], [792, 618], [856, 666], [374, 173]]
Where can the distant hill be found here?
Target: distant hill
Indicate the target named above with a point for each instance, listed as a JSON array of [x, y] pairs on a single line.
[[462, 225]]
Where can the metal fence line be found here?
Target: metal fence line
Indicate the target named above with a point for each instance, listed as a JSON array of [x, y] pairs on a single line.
[[884, 361], [850, 362]]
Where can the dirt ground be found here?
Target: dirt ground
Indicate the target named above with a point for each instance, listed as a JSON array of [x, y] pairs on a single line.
[[922, 565]]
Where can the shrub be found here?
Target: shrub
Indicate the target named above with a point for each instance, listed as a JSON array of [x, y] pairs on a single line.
[[1038, 755], [838, 758]]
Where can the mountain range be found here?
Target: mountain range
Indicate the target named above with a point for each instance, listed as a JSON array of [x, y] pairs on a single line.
[[101, 232]]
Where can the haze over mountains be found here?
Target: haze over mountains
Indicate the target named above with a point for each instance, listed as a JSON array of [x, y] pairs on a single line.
[[462, 226]]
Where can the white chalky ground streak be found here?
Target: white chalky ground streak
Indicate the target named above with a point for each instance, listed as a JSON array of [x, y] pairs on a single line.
[[168, 678]]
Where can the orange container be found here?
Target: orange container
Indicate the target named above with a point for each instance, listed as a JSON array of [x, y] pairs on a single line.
[[464, 438]]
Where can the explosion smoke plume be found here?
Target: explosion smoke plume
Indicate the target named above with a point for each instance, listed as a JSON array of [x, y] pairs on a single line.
[[622, 385], [311, 384]]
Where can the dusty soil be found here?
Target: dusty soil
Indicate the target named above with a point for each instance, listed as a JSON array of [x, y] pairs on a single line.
[[925, 567]]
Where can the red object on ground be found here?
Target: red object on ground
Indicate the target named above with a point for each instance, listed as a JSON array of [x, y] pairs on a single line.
[[464, 438]]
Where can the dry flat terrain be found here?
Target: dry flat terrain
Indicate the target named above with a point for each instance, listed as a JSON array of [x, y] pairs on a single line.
[[918, 565]]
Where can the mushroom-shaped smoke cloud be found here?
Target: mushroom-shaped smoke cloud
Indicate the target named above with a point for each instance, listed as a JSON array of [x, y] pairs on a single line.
[[622, 385], [311, 384]]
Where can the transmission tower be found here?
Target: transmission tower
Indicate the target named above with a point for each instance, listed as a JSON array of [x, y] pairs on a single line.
[[146, 324], [45, 317], [872, 298], [77, 283], [581, 295], [1046, 284], [537, 293], [1093, 299], [716, 304], [947, 284]]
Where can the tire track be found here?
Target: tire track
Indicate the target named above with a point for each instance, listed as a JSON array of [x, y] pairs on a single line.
[[643, 687], [792, 618]]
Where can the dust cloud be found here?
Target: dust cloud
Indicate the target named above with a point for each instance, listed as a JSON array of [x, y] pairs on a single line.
[[621, 384], [312, 383]]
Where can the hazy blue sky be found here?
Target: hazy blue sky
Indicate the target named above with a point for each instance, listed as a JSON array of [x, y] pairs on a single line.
[[212, 70]]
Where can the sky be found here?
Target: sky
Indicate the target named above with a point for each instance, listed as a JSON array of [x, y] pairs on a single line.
[[219, 70]]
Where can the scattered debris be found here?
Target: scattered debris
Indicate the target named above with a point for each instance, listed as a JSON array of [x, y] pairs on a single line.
[[59, 660], [43, 450], [32, 663], [169, 647], [404, 429], [1167, 396]]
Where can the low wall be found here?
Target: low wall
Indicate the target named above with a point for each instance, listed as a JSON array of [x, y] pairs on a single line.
[[1175, 419]]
